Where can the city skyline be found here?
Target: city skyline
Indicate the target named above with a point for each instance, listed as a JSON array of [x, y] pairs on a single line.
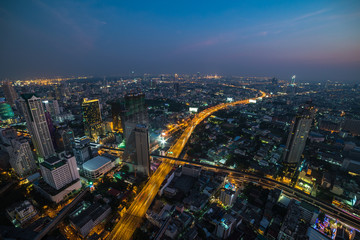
[[138, 120], [317, 41]]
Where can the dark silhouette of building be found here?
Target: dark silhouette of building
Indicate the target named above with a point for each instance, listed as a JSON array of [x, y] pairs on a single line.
[[298, 134], [117, 108], [9, 92], [177, 88]]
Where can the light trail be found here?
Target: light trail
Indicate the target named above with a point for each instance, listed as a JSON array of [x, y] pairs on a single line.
[[125, 228]]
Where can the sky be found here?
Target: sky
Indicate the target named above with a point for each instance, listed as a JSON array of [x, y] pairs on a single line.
[[315, 40]]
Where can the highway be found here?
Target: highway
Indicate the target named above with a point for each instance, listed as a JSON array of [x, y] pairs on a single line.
[[125, 228], [242, 176]]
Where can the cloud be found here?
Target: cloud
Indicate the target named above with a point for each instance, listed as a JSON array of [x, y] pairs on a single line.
[[311, 14]]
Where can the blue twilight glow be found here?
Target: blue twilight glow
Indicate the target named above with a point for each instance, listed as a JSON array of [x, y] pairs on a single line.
[[317, 40]]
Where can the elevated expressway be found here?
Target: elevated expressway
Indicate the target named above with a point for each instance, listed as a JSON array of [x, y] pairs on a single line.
[[241, 176], [126, 226]]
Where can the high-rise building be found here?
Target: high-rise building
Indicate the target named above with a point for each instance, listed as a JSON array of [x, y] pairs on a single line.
[[298, 134], [21, 156], [92, 118], [82, 150], [225, 226], [6, 112], [32, 109], [60, 177], [64, 138], [52, 106], [59, 171], [135, 112], [9, 92], [153, 82], [142, 156], [227, 196], [275, 81], [137, 149], [177, 88], [117, 109], [293, 80]]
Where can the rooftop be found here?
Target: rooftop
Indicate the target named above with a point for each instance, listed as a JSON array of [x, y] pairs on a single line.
[[95, 163]]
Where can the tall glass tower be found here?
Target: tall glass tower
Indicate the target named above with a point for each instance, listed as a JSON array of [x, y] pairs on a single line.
[[298, 135], [91, 117], [33, 111]]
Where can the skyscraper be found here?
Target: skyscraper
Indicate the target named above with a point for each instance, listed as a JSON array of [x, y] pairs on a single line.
[[82, 150], [177, 88], [142, 157], [32, 109], [21, 156], [59, 171], [9, 92], [298, 134], [135, 112], [92, 118], [60, 177], [64, 138], [116, 113], [52, 106]]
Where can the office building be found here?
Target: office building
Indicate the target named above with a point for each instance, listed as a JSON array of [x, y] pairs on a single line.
[[142, 149], [177, 88], [137, 149], [190, 170], [142, 159], [59, 171], [52, 106], [135, 113], [225, 226], [18, 148], [64, 138], [32, 109], [152, 83], [82, 150], [92, 118], [9, 92], [298, 134], [227, 196], [117, 109], [21, 158], [87, 216], [60, 177], [20, 213], [135, 110]]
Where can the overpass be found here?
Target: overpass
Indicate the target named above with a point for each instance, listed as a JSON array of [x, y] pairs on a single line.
[[239, 175], [331, 210], [61, 215]]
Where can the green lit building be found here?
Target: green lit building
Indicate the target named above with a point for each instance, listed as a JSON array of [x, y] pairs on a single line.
[[6, 111]]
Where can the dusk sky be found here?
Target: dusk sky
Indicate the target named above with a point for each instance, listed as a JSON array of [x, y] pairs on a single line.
[[316, 40]]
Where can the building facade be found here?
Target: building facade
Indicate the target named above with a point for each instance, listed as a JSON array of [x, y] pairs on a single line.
[[96, 167], [32, 109], [92, 118], [9, 92], [298, 135], [142, 156], [59, 171]]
